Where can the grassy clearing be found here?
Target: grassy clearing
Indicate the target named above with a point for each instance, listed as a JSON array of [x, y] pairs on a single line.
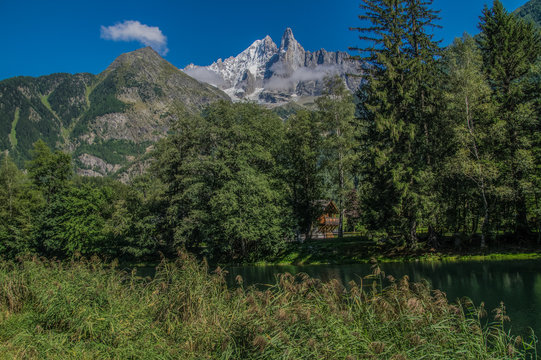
[[13, 133], [64, 133], [355, 250], [88, 90], [87, 309], [45, 101]]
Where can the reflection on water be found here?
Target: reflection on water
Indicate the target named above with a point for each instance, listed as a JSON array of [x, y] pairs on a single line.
[[516, 283]]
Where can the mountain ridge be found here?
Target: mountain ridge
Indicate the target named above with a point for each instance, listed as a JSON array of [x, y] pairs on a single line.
[[269, 74]]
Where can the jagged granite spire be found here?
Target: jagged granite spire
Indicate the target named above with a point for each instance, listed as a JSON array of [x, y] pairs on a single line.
[[288, 40], [291, 55]]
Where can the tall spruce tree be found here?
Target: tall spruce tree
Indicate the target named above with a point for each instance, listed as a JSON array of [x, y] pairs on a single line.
[[397, 114], [510, 48], [304, 171]]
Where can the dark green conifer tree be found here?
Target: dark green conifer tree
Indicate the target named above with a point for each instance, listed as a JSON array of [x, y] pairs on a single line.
[[304, 170], [398, 115]]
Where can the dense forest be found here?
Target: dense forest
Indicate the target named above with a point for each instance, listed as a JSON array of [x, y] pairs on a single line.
[[531, 11], [437, 144]]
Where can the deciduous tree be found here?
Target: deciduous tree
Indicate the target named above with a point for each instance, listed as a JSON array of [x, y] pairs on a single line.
[[336, 111], [510, 48]]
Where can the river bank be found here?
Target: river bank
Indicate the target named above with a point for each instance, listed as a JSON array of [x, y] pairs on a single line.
[[88, 309], [516, 283], [361, 251]]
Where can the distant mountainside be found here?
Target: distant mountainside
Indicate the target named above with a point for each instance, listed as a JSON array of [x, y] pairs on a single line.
[[270, 74], [108, 121], [530, 11]]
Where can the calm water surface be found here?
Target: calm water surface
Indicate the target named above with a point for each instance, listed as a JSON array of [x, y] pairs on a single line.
[[516, 283]]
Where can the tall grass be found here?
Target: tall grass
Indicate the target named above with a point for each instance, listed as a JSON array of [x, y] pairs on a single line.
[[90, 310]]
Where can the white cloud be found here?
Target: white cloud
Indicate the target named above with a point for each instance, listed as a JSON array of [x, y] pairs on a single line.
[[205, 75], [131, 30], [283, 79]]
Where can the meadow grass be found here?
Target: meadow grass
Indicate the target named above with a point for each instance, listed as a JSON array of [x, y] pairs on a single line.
[[86, 309]]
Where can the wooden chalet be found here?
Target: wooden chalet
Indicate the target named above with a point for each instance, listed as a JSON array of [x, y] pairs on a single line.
[[328, 222]]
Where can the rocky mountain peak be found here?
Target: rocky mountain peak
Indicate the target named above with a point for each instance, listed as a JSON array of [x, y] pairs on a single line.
[[147, 50], [269, 45], [259, 51], [146, 53], [292, 55], [144, 57], [288, 40], [270, 74]]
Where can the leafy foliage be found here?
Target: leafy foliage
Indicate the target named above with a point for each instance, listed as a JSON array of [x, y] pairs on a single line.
[[224, 181], [19, 204], [73, 222], [510, 49], [304, 169], [336, 111], [476, 127], [50, 172], [137, 224]]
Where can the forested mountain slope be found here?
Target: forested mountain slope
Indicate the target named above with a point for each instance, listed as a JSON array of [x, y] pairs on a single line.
[[531, 10], [107, 121]]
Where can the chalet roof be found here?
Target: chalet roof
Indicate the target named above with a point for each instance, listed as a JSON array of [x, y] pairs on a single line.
[[327, 206]]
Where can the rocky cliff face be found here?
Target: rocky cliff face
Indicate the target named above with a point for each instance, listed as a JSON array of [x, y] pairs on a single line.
[[270, 74], [150, 92]]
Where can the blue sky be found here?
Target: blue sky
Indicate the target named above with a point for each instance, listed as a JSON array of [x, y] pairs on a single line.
[[44, 37]]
